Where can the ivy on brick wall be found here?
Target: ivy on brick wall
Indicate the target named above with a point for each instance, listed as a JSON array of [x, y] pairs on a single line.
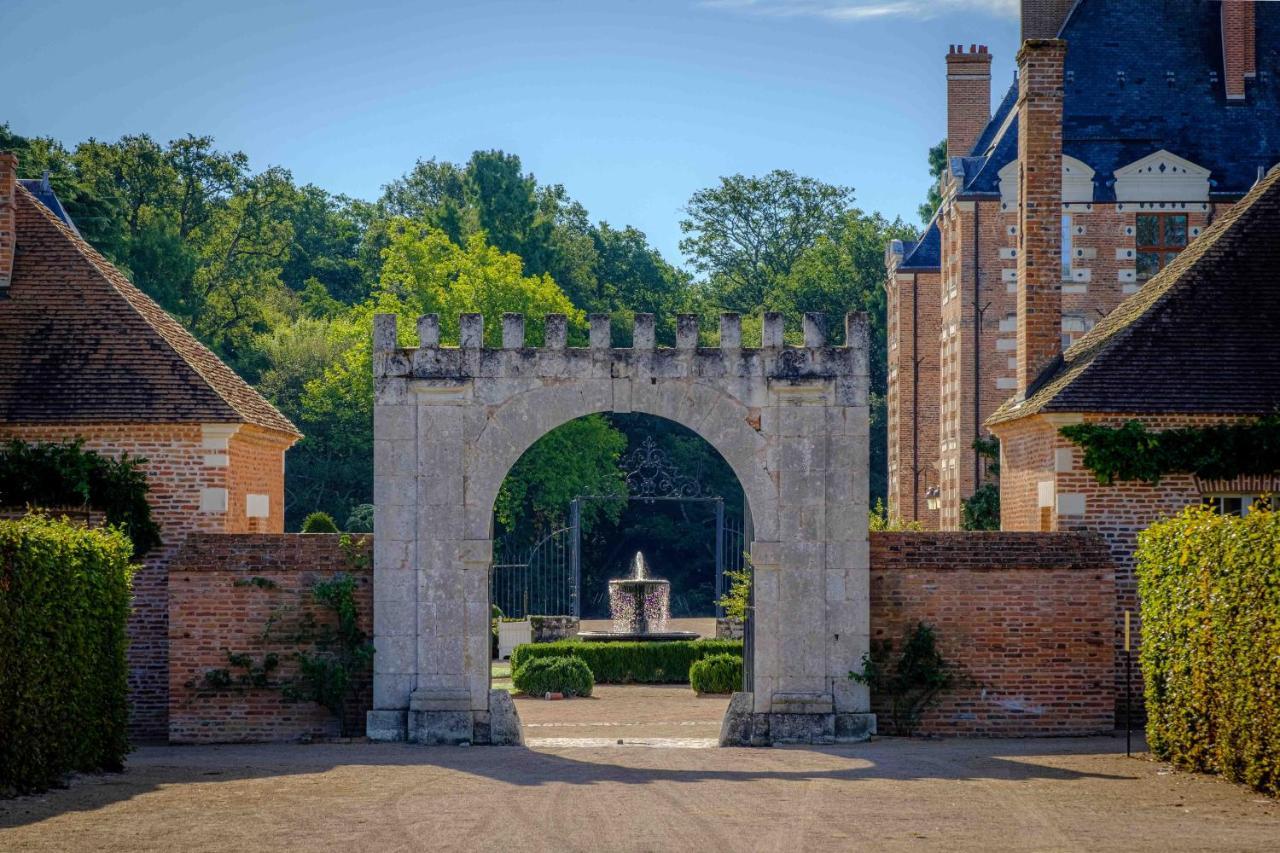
[[65, 474], [1218, 452]]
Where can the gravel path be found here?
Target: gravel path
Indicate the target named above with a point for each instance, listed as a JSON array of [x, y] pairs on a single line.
[[885, 795]]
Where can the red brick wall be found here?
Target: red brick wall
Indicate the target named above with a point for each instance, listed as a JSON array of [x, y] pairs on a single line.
[[1028, 617], [913, 326], [209, 614], [177, 470]]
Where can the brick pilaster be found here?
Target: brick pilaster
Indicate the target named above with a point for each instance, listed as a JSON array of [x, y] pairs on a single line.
[[1040, 95]]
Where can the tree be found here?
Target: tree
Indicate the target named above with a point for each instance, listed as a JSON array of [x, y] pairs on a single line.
[[937, 165], [747, 233]]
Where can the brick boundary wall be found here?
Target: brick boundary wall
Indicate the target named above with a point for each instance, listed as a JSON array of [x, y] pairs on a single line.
[[210, 614], [1029, 616]]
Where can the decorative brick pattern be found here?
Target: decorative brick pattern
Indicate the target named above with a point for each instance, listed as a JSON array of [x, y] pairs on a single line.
[[215, 606], [1028, 617]]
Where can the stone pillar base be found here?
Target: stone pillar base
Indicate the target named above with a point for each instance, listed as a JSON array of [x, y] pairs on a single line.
[[798, 720], [386, 726]]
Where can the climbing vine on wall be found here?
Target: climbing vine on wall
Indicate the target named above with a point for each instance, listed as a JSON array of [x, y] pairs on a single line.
[[1218, 452]]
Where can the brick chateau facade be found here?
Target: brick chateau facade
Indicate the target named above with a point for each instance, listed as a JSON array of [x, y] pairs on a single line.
[[86, 355], [1131, 128]]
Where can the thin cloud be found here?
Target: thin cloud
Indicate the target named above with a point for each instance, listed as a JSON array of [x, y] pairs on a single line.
[[860, 10]]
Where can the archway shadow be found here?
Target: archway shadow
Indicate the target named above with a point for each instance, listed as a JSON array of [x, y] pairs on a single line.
[[152, 768]]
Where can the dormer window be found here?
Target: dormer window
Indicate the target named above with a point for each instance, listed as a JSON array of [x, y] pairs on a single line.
[[1160, 237]]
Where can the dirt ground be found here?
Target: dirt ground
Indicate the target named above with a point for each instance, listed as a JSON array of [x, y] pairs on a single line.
[[885, 795]]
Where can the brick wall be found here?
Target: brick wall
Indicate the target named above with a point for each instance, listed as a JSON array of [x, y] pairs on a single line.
[[1028, 616], [214, 606], [180, 465]]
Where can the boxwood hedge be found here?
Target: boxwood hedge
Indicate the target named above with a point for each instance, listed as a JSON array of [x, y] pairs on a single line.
[[1210, 588], [631, 662], [64, 599]]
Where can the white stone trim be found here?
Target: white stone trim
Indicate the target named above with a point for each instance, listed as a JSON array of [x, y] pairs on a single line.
[[217, 436], [257, 506], [213, 500], [1162, 176]]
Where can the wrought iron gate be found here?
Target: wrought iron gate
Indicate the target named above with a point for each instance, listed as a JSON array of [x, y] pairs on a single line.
[[539, 581]]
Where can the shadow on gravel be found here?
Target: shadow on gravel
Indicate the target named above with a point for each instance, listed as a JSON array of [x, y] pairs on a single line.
[[156, 767]]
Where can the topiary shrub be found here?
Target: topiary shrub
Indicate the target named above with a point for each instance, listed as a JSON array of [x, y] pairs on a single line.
[[716, 674], [64, 600], [1210, 592], [631, 662], [319, 522], [540, 676]]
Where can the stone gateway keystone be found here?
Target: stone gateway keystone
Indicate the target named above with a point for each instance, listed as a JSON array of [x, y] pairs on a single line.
[[449, 423]]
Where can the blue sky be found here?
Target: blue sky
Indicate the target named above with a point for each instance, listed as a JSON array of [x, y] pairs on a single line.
[[631, 105]]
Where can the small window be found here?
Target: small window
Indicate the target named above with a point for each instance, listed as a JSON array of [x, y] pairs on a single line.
[[1160, 237], [1238, 505]]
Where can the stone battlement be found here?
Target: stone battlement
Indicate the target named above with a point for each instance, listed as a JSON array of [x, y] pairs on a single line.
[[815, 360]]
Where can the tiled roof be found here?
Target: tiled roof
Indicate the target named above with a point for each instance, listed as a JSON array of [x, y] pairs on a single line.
[[926, 254], [80, 344], [1199, 337], [1110, 121]]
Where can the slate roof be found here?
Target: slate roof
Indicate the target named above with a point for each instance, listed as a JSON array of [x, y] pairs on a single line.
[[925, 255], [1200, 337], [1110, 122], [80, 344]]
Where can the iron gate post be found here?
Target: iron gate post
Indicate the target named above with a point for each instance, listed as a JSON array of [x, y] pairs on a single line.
[[575, 558]]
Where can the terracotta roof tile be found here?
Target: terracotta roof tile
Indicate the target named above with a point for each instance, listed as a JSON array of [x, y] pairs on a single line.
[[80, 344]]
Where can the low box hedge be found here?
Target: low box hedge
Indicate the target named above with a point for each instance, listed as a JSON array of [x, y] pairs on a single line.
[[1210, 591], [64, 599], [563, 674], [631, 662]]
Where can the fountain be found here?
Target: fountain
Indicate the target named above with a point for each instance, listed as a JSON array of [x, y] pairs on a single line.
[[640, 606]]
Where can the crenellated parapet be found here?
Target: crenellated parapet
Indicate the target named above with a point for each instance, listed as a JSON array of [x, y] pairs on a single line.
[[815, 359]]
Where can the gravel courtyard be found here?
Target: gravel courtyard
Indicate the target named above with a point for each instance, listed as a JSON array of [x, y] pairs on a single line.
[[885, 795]]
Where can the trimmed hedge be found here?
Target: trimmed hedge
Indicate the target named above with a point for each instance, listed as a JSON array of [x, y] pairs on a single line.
[[1210, 589], [563, 674], [64, 599], [631, 662], [717, 674]]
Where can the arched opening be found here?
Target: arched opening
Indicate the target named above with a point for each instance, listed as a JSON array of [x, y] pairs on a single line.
[[571, 516]]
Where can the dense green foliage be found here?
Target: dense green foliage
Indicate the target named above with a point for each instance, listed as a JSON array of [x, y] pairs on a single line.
[[64, 600], [631, 662], [282, 280], [319, 522], [1219, 452], [1210, 652], [910, 682], [562, 674], [716, 674], [339, 656], [981, 510], [66, 475]]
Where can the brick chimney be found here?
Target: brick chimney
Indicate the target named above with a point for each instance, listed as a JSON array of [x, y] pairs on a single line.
[[968, 97], [8, 221], [1040, 64], [1042, 19], [1239, 46]]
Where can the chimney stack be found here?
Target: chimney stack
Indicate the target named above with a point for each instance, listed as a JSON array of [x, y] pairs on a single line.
[[968, 97], [1239, 46], [8, 217], [1040, 95], [1043, 19]]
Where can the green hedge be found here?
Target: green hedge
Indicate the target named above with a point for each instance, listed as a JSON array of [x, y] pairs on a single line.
[[1210, 588], [564, 674], [631, 662], [717, 674], [64, 599]]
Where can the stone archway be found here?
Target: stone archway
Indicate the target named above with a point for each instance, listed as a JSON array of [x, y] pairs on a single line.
[[449, 423]]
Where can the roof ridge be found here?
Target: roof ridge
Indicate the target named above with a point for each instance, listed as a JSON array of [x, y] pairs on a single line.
[[131, 294]]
